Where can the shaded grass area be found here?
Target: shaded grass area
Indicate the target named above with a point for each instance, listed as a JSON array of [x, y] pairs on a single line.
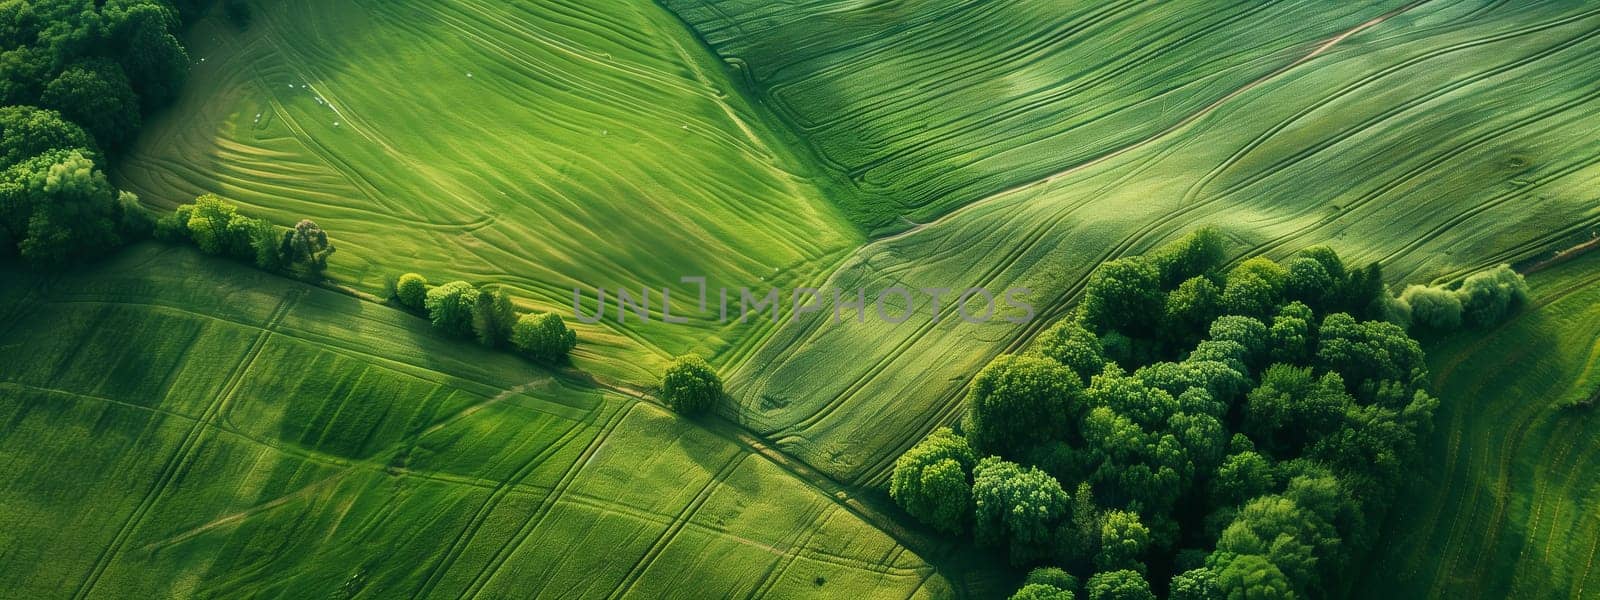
[[178, 426], [543, 146], [1505, 506]]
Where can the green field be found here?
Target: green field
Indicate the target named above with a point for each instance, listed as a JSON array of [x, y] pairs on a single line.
[[1439, 141], [234, 434], [541, 146], [185, 426], [1508, 508]]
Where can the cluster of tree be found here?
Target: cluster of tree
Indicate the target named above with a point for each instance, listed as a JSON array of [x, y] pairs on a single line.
[[77, 78], [1243, 444], [1481, 300], [690, 386], [217, 227], [487, 315]]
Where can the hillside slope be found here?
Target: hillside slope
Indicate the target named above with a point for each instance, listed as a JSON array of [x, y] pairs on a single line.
[[179, 426]]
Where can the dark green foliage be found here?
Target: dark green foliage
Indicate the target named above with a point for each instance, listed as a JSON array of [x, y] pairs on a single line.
[[306, 245], [492, 317], [237, 13], [1433, 309], [543, 336], [1041, 591], [450, 307], [1292, 336], [1068, 343], [1122, 295], [1249, 332], [1052, 576], [690, 386], [1306, 361], [1123, 540], [1197, 254], [1367, 352], [96, 94], [1241, 477], [932, 481], [1252, 577], [411, 289], [1019, 402], [58, 207], [1292, 408], [1016, 507], [1119, 585], [99, 62], [1194, 584], [1309, 282], [1190, 309], [1254, 288], [26, 132], [1489, 296]]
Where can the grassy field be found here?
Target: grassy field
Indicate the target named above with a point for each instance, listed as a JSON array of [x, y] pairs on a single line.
[[185, 427], [539, 145], [1443, 139], [1507, 507]]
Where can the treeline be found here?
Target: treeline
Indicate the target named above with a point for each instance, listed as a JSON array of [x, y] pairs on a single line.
[[77, 78], [1189, 431], [461, 309], [217, 227]]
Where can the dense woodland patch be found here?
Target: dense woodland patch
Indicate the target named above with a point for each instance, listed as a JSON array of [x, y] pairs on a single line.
[[1221, 433]]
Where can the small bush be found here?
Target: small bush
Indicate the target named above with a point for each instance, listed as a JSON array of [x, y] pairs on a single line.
[[411, 290], [543, 337], [690, 385]]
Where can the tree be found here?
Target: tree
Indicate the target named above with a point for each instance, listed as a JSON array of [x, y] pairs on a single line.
[[1042, 591], [410, 290], [1123, 540], [26, 132], [1291, 408], [1433, 309], [1194, 584], [308, 245], [543, 336], [1016, 507], [1249, 332], [95, 93], [1052, 576], [1019, 402], [1368, 352], [1252, 577], [1068, 343], [932, 481], [143, 41], [492, 317], [1121, 295], [58, 207], [690, 386], [1196, 254], [1254, 288], [217, 227], [450, 307], [1488, 297], [1190, 308], [1241, 477], [1309, 282], [1291, 334], [1119, 585]]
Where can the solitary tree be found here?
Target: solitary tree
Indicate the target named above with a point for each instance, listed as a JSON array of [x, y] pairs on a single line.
[[690, 386]]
